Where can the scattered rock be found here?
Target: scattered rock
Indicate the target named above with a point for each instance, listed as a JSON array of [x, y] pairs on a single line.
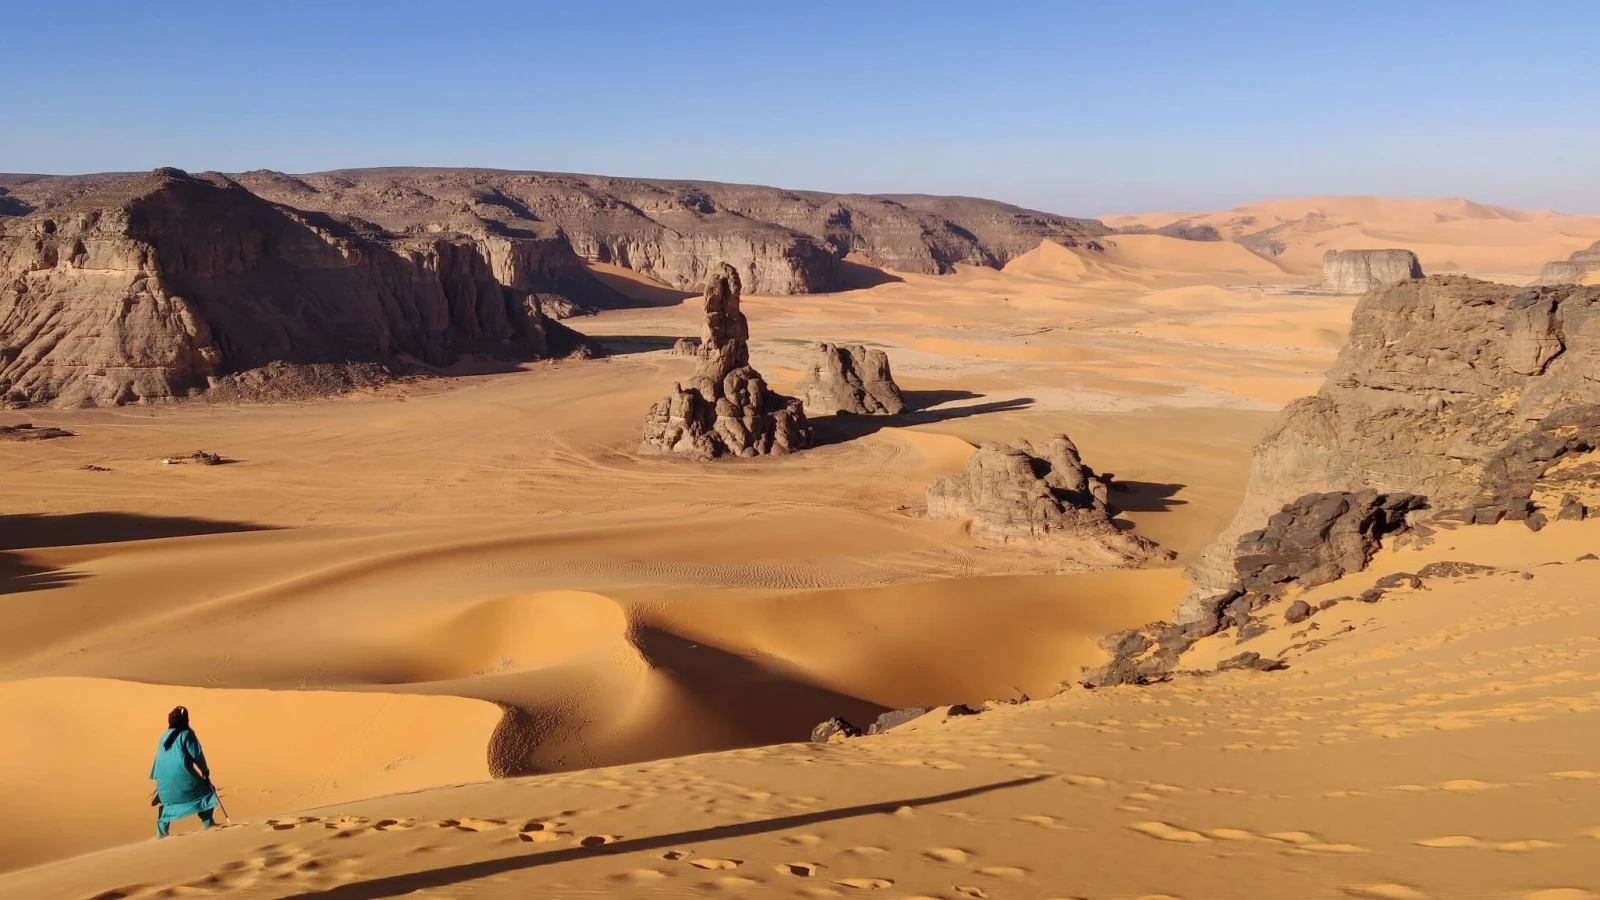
[[1399, 580], [1252, 630], [1335, 601], [90, 467], [1587, 557], [206, 459], [895, 717], [1536, 521], [1251, 660], [1360, 271], [1298, 612], [1571, 510], [27, 432], [727, 409], [1040, 495], [1453, 569], [961, 709], [850, 379], [834, 730]]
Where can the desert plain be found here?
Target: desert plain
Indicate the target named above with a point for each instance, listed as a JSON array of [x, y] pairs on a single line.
[[456, 637]]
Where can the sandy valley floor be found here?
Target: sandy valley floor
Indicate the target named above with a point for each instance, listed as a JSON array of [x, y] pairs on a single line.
[[351, 604]]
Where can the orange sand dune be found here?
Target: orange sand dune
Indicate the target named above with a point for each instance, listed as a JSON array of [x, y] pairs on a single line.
[[1436, 744], [1448, 235]]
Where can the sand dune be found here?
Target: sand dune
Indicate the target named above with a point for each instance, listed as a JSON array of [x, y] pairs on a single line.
[[1448, 235], [1432, 745]]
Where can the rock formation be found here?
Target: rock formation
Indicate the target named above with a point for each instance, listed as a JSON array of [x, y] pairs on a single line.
[[1478, 399], [1039, 495], [727, 408], [1575, 269], [131, 289], [685, 347], [1360, 271], [851, 380], [781, 241]]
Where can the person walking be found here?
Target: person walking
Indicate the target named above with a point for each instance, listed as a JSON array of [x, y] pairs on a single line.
[[183, 780]]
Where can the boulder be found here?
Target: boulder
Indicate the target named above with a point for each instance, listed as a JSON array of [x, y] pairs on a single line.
[[1360, 271], [834, 730], [1298, 612], [726, 409], [1319, 538], [849, 379], [685, 347], [896, 717], [1251, 660], [1043, 496]]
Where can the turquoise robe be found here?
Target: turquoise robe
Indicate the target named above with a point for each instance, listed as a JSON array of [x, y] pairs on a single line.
[[180, 792]]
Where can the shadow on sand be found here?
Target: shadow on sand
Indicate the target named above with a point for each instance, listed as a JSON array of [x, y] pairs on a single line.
[[398, 885], [1145, 496], [626, 344], [838, 429], [29, 530]]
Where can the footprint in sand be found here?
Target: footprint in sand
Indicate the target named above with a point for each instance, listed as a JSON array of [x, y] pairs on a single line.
[[1467, 842], [474, 825], [735, 882], [595, 841], [714, 863], [946, 855], [1003, 872], [393, 824], [542, 832], [798, 869], [1386, 892], [866, 884], [642, 876], [1162, 831], [803, 840], [287, 824]]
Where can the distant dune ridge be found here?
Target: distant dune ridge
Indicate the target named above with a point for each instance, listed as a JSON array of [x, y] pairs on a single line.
[[1448, 235]]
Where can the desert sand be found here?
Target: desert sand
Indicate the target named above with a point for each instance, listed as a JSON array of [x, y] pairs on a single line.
[[1448, 235], [352, 603]]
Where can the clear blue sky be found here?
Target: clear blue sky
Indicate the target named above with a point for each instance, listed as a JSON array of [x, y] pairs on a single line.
[[1073, 107]]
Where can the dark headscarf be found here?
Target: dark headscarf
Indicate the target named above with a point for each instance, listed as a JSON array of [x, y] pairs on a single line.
[[178, 722]]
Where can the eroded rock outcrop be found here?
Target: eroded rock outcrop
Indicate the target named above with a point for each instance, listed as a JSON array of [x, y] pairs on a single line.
[[159, 286], [1465, 393], [1360, 271], [726, 409], [1040, 495], [1579, 268], [850, 379]]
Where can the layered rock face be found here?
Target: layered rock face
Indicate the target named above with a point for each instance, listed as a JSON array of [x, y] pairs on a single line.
[[852, 380], [128, 289], [677, 232], [1039, 495], [1360, 271], [1466, 394], [1575, 269], [726, 409]]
